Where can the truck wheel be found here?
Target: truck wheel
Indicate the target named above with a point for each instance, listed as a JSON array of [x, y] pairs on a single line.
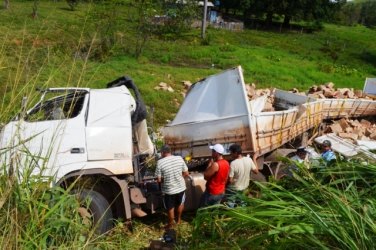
[[260, 177], [95, 210]]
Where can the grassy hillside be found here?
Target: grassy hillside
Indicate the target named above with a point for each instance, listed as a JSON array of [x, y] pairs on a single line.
[[51, 50], [64, 48]]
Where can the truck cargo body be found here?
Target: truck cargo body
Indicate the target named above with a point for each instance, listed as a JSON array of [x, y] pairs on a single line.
[[339, 108], [217, 110]]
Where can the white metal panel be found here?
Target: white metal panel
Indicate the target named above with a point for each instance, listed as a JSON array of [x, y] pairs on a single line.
[[257, 105], [345, 147], [116, 167], [368, 145], [8, 142], [216, 97], [291, 99], [272, 129], [232, 127], [104, 143], [370, 86], [110, 107], [109, 129], [338, 108], [49, 143]]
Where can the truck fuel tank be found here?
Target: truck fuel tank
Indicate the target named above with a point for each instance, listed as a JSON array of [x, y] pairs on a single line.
[[195, 183]]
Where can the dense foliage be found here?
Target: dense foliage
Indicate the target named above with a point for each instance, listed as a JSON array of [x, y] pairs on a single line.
[[296, 10], [326, 208], [358, 12]]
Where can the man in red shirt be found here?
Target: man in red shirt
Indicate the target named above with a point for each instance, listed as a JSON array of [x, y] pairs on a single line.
[[216, 175]]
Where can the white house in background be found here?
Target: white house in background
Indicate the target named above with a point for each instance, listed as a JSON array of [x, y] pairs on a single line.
[[200, 3], [209, 4]]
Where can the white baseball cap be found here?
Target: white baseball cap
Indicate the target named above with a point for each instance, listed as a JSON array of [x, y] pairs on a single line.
[[218, 148]]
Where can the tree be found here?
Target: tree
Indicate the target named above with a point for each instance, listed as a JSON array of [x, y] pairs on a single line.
[[270, 7], [359, 12], [34, 14], [307, 10], [288, 9], [368, 13], [72, 4], [6, 4], [145, 13], [349, 14], [179, 16]]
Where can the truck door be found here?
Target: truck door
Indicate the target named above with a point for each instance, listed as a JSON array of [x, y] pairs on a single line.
[[109, 129], [53, 132]]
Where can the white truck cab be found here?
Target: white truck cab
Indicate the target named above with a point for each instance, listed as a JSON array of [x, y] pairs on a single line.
[[95, 136]]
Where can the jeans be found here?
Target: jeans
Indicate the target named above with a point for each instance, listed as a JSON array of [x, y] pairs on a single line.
[[208, 199], [233, 198]]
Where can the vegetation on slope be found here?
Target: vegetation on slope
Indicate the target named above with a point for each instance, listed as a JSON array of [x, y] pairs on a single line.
[[63, 48], [68, 48], [331, 208]]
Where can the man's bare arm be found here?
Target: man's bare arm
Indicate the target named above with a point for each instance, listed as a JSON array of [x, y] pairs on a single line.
[[254, 159], [211, 170]]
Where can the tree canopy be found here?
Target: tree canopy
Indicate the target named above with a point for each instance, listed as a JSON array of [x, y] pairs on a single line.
[[287, 9]]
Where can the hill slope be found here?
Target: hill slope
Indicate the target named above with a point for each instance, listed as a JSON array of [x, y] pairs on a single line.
[[51, 50]]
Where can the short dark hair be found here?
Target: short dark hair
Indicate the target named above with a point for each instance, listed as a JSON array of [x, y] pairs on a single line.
[[165, 149], [301, 150], [235, 148], [327, 143]]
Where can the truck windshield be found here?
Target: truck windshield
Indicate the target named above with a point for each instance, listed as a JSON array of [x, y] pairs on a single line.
[[57, 107]]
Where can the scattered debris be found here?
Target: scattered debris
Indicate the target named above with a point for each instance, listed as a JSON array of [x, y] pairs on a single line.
[[346, 148], [353, 130], [176, 103], [167, 242], [164, 86], [187, 84], [328, 91]]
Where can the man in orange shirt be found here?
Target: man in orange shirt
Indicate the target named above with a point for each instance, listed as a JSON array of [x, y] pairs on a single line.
[[216, 175]]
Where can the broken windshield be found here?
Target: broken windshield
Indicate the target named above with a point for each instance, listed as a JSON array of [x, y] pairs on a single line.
[[57, 106]]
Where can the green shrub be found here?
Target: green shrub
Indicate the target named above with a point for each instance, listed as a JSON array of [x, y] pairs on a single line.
[[72, 4], [333, 207]]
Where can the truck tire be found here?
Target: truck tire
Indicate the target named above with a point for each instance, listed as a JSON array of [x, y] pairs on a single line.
[[95, 209], [260, 177]]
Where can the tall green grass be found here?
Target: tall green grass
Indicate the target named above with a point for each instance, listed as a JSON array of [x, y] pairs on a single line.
[[34, 216], [34, 213], [334, 208]]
